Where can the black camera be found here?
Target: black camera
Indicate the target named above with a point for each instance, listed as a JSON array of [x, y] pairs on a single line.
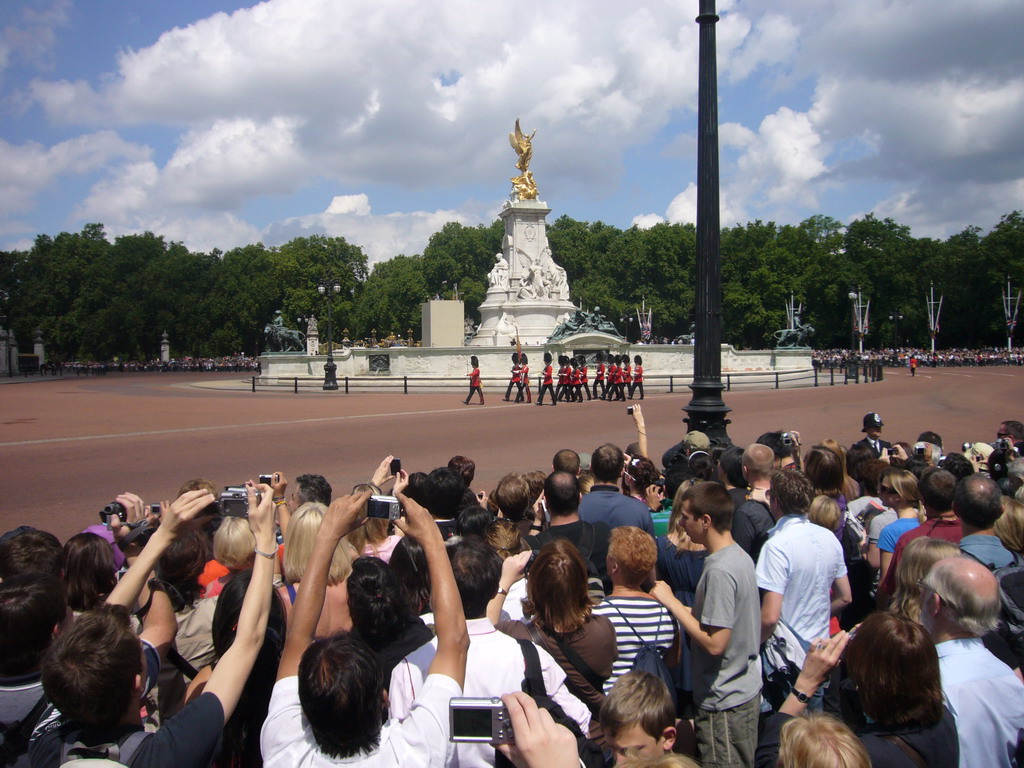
[[267, 479], [114, 508], [787, 439], [480, 720], [396, 466], [629, 410], [384, 507]]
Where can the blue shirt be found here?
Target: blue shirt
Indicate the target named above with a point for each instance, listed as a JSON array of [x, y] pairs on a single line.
[[892, 532], [986, 699], [987, 550], [607, 504]]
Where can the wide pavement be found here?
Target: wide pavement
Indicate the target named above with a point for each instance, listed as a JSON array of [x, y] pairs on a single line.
[[68, 446]]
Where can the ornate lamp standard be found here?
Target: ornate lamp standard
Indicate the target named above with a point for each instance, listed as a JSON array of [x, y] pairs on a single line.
[[328, 289], [860, 316], [706, 410]]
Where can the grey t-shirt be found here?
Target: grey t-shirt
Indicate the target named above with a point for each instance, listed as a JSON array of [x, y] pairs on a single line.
[[727, 597]]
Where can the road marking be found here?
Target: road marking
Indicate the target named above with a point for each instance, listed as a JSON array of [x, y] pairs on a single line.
[[221, 427]]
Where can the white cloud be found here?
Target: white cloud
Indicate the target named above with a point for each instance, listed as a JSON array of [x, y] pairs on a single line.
[[355, 204], [647, 220], [31, 37], [27, 169]]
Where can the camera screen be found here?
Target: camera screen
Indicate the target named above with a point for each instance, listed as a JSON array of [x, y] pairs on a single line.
[[471, 722]]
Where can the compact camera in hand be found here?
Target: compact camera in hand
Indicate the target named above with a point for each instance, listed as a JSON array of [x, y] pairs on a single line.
[[383, 507], [234, 502], [480, 720]]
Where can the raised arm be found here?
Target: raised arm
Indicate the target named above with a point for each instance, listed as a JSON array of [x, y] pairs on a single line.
[[229, 676], [641, 429], [340, 520], [714, 640], [449, 619]]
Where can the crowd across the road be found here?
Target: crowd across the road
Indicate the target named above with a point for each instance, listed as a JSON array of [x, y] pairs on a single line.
[[232, 364], [901, 357], [790, 602]]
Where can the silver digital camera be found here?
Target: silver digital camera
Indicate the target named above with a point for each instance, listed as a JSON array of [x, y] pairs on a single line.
[[480, 720], [386, 507]]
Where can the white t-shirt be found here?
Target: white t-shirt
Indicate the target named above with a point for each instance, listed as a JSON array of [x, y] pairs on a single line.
[[494, 666], [421, 740], [800, 561]]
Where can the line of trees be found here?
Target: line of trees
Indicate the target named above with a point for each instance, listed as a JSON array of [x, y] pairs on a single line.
[[97, 299]]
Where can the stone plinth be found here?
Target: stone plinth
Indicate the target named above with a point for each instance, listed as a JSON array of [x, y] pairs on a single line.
[[528, 291], [443, 323]]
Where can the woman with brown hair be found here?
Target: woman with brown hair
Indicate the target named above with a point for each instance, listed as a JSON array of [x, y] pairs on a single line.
[[89, 573], [893, 664], [563, 623], [503, 537], [918, 558]]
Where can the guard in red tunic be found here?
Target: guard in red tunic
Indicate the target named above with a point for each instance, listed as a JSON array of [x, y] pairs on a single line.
[[562, 390], [638, 378], [583, 376], [599, 378], [627, 376], [546, 383], [474, 381], [514, 380], [574, 381], [524, 379]]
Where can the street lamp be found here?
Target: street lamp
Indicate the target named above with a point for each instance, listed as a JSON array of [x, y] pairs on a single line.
[[895, 318], [326, 288], [6, 334], [860, 318]]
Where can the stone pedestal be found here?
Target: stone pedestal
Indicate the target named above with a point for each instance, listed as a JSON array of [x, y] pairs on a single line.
[[165, 348], [37, 346], [4, 356], [443, 323], [528, 291]]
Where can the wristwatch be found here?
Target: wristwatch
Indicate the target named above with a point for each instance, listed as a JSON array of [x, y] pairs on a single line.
[[803, 698]]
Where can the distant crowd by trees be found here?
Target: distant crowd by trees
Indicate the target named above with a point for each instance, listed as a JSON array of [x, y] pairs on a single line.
[[97, 299]]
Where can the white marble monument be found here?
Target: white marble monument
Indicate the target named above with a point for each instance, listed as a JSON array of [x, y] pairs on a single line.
[[528, 292]]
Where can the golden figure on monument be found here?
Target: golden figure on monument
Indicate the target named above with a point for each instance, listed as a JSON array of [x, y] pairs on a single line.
[[524, 185]]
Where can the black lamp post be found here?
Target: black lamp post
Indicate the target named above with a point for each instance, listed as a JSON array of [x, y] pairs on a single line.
[[6, 334], [895, 317], [328, 289], [706, 409]]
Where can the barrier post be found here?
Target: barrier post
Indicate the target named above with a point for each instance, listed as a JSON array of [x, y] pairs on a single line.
[[296, 385], [346, 385], [405, 385], [253, 383], [671, 384], [776, 379], [815, 377], [728, 382]]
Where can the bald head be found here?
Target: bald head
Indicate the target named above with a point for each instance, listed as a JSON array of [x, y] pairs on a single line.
[[968, 595], [757, 461]]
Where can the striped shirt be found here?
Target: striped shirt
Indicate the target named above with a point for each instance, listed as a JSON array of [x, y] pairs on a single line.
[[648, 617]]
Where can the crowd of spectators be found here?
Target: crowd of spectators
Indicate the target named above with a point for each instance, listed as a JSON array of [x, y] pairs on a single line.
[[900, 357], [231, 364], [789, 602]]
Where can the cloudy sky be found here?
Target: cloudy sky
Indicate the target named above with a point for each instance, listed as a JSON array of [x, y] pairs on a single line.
[[379, 120]]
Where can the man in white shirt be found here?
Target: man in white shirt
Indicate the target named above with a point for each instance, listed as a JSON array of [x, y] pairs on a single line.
[[959, 604], [495, 663], [329, 703], [800, 569]]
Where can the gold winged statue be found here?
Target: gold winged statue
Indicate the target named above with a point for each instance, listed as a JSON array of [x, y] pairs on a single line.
[[523, 185]]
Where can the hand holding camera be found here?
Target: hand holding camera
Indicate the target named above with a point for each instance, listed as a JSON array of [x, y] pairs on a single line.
[[417, 522], [540, 742], [342, 517], [183, 510], [386, 471], [261, 511]]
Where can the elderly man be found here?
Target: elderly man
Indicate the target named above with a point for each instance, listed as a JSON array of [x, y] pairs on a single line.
[[959, 604]]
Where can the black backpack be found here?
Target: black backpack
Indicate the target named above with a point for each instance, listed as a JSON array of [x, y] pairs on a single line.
[[649, 659], [14, 736]]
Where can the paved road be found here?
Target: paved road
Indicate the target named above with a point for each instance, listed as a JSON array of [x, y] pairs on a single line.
[[67, 447]]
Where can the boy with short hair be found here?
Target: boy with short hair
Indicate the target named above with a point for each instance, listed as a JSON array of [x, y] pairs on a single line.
[[638, 717], [724, 627]]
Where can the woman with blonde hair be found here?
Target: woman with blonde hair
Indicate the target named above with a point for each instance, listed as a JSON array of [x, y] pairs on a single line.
[[917, 559], [503, 537], [824, 511], [375, 537], [898, 489], [233, 546], [298, 547], [820, 741], [1010, 525]]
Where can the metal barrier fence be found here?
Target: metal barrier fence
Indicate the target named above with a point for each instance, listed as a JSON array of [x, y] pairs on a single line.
[[670, 383]]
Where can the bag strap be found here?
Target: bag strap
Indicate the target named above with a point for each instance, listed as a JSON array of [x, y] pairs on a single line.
[[571, 656], [24, 727], [181, 663], [909, 751], [588, 528], [533, 681], [123, 751], [643, 643]]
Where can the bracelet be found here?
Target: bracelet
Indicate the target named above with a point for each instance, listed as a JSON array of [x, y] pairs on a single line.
[[278, 499], [268, 555], [279, 503], [502, 591]]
